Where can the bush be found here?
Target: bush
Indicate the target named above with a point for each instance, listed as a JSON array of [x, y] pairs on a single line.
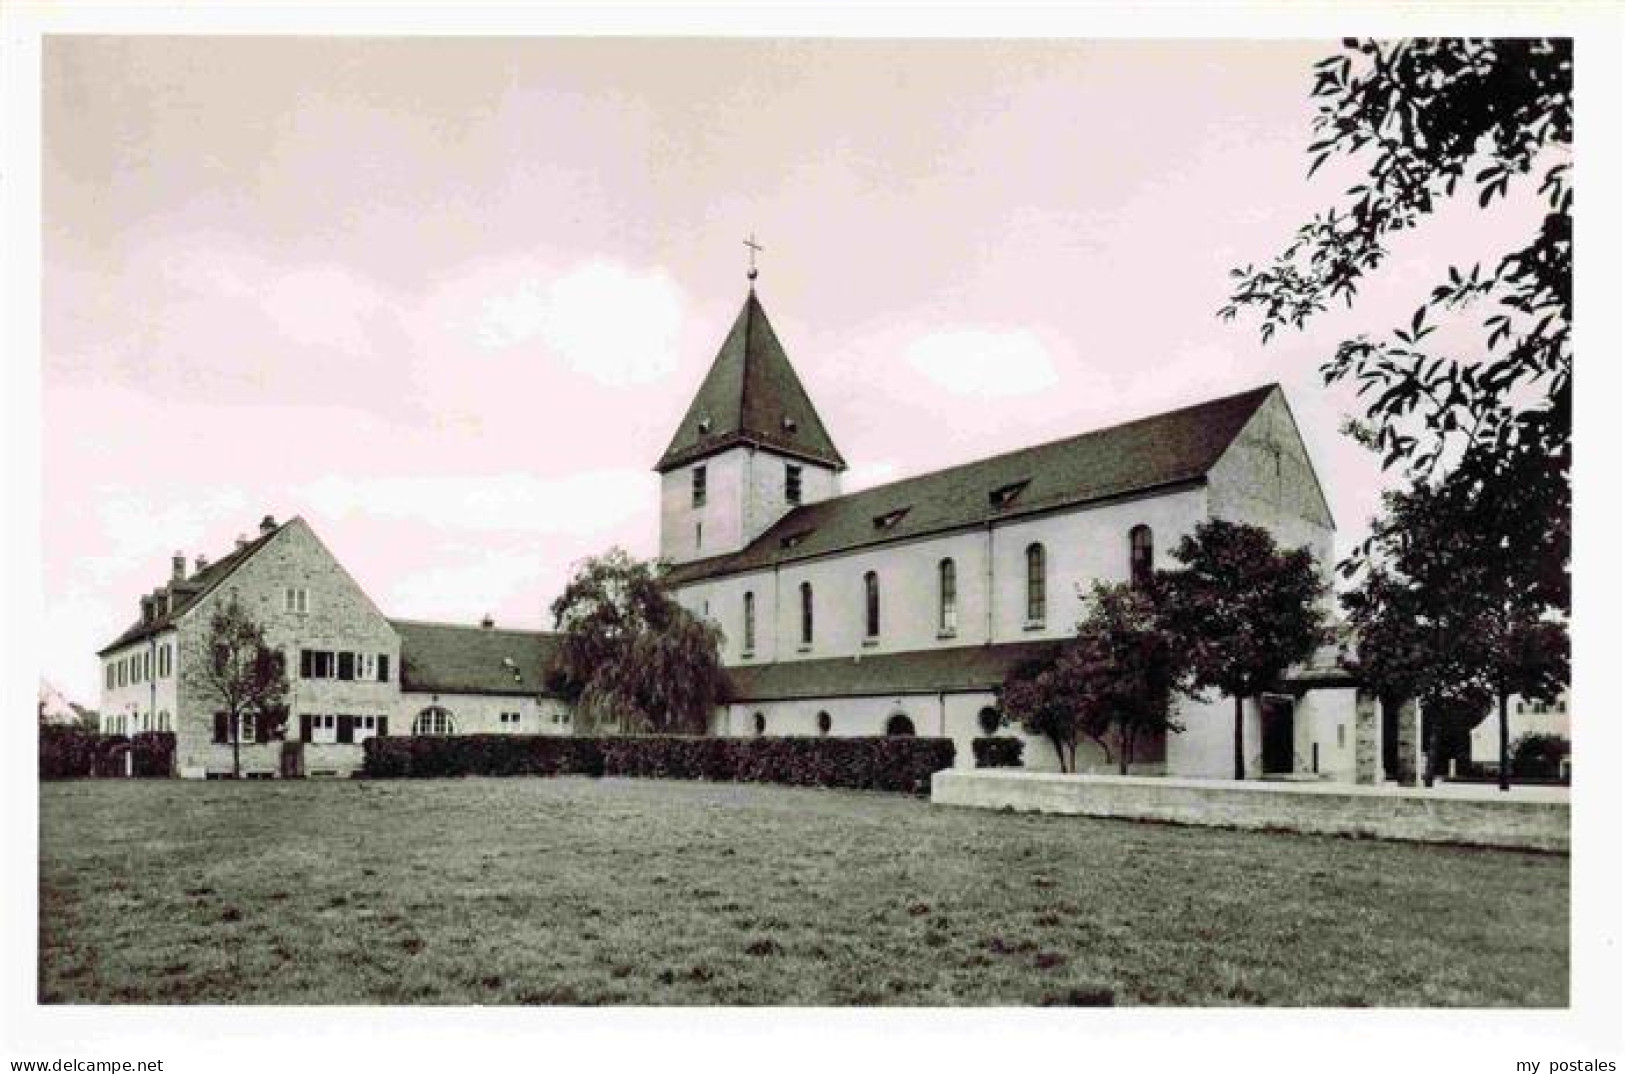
[[154, 754], [997, 752], [888, 763], [1539, 756], [73, 753]]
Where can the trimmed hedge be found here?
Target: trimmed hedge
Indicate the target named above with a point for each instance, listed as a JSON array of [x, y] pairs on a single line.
[[997, 752], [72, 753], [889, 763]]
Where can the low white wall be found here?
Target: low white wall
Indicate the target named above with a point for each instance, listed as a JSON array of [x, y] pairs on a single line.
[[1528, 821]]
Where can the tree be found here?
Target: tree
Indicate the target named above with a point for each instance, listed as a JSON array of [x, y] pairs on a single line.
[[631, 653], [1054, 699], [1457, 599], [1242, 611], [1422, 115], [1113, 683], [242, 676]]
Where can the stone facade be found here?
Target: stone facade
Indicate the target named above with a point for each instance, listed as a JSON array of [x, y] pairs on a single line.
[[339, 616]]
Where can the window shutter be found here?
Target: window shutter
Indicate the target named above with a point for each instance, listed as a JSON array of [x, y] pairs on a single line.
[[346, 665], [383, 667], [304, 663], [220, 727], [304, 727], [383, 726], [346, 728]]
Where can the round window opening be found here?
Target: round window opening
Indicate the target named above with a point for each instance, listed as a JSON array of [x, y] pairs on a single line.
[[824, 723], [759, 724], [988, 720]]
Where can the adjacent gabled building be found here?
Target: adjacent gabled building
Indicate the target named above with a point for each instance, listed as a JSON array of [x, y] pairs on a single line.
[[352, 672]]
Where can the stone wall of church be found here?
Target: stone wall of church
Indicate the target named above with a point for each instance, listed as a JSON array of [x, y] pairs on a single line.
[[1081, 546], [339, 616]]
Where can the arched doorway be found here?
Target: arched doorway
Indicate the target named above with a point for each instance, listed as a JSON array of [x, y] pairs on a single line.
[[899, 724]]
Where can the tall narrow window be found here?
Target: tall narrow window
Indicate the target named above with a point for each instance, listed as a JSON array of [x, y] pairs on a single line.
[[699, 486], [871, 605], [1036, 604], [806, 613], [792, 483], [1139, 556], [750, 622], [947, 598]]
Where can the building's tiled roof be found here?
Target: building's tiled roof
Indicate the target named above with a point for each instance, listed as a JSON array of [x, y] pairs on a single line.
[[454, 659], [926, 671], [1139, 456], [191, 590], [751, 396]]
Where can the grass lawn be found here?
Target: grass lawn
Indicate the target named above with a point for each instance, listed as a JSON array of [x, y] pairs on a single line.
[[630, 891]]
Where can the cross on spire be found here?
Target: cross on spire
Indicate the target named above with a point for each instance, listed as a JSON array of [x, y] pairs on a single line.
[[755, 248]]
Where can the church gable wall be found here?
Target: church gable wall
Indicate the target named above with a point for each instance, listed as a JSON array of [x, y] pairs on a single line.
[[1266, 478]]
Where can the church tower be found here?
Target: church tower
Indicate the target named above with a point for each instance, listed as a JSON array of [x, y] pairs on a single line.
[[750, 448]]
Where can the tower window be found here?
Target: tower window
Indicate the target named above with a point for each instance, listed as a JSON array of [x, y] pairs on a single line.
[[806, 613], [947, 597], [750, 622], [699, 486], [792, 483]]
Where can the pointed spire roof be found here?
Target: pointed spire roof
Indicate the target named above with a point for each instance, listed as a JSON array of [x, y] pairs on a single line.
[[751, 396]]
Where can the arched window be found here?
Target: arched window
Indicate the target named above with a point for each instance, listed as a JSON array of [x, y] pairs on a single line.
[[988, 720], [1036, 604], [433, 720], [947, 598], [758, 724], [824, 723], [750, 621], [871, 605], [1139, 556], [806, 613], [899, 724]]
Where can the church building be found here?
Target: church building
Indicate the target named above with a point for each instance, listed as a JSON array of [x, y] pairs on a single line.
[[897, 609]]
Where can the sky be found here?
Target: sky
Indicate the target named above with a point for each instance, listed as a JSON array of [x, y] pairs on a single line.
[[448, 298]]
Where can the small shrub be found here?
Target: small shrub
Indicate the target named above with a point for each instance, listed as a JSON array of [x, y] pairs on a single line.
[[1002, 751], [1539, 756]]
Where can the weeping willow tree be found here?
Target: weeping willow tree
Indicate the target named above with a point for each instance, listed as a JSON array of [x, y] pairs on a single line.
[[632, 657]]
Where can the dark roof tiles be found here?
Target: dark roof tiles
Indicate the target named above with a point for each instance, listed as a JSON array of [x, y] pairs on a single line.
[[751, 395], [947, 670], [190, 590], [454, 659], [1139, 456]]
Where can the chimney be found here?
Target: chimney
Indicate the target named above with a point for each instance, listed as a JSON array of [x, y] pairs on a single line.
[[146, 609], [242, 542], [177, 567], [267, 524], [201, 564], [487, 623]]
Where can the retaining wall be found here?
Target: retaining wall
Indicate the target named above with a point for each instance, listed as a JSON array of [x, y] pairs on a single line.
[[1529, 819]]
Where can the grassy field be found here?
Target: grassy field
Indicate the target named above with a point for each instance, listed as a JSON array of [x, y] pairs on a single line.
[[645, 892]]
